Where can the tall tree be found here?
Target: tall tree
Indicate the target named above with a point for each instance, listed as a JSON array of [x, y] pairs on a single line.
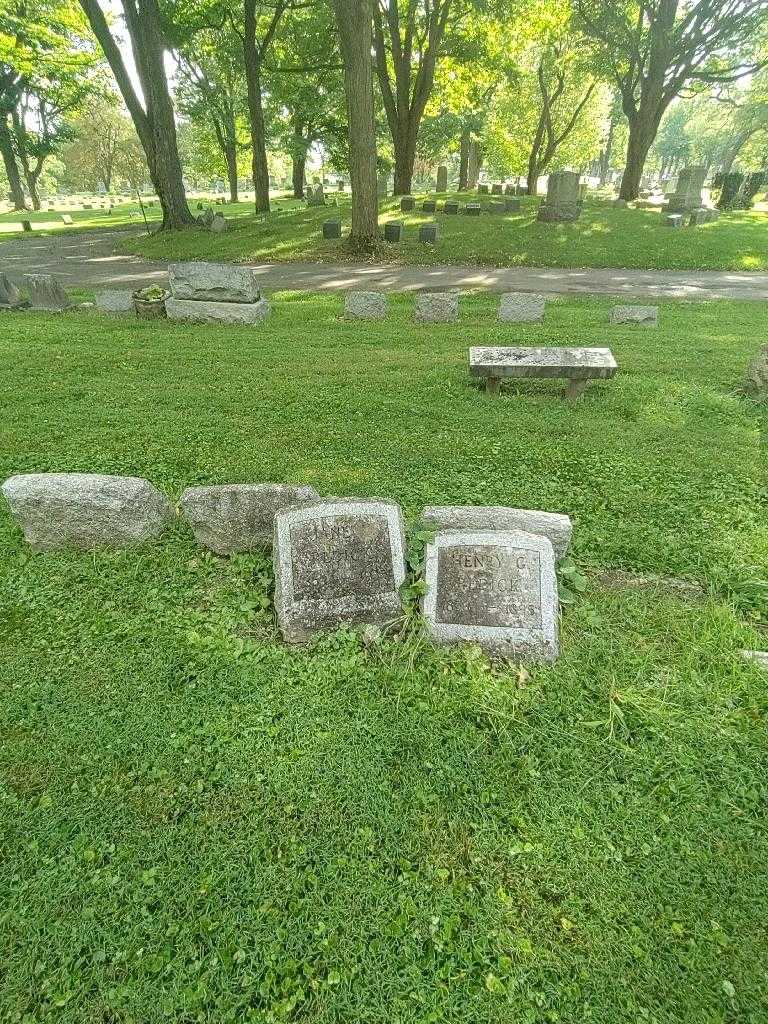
[[153, 117], [210, 89], [102, 147], [654, 49], [409, 38], [354, 20]]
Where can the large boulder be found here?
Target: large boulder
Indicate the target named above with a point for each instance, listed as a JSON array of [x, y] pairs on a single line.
[[85, 510], [240, 517], [213, 282]]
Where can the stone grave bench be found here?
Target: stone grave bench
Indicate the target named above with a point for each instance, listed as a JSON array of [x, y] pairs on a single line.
[[577, 365]]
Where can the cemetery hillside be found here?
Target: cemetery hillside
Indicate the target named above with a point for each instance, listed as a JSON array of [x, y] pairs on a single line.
[[383, 518]]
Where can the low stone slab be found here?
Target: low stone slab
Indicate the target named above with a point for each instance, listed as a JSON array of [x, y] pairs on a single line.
[[115, 301], [196, 312], [673, 220], [437, 308], [759, 658], [228, 518], [578, 365], [338, 562], [557, 528], [213, 282], [648, 315], [46, 292], [365, 305], [495, 588], [520, 308], [85, 510]]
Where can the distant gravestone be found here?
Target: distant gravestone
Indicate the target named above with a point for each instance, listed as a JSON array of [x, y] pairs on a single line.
[[228, 518], [332, 229], [509, 190], [393, 231], [407, 203], [673, 220], [10, 296], [365, 306], [67, 219], [218, 224], [436, 307], [451, 206], [429, 206], [562, 201], [338, 562], [428, 233], [442, 179], [687, 195], [482, 190], [497, 207], [512, 205], [556, 527], [497, 189], [316, 196], [382, 184], [85, 510], [648, 315], [495, 588], [473, 209], [520, 308], [46, 292]]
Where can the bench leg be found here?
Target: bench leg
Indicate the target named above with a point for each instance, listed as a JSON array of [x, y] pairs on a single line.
[[576, 387], [492, 385]]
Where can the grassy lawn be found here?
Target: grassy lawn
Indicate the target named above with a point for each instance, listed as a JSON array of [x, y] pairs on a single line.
[[603, 237], [46, 222], [198, 824]]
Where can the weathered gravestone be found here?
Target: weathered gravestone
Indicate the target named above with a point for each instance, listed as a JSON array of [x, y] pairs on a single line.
[[46, 292], [382, 184], [213, 282], [428, 233], [497, 189], [429, 206], [10, 296], [214, 293], [228, 518], [338, 561], [219, 224], [673, 220], [520, 308], [365, 306], [512, 205], [495, 588], [85, 510], [437, 307], [407, 203], [115, 301], [497, 206], [562, 202], [316, 197], [393, 231], [451, 206], [556, 527], [473, 209], [687, 197], [648, 315], [332, 229], [442, 179]]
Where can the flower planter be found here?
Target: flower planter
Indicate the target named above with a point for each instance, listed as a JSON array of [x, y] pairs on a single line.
[[150, 309]]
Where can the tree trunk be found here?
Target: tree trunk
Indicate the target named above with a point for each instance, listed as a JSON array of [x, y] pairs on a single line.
[[404, 140], [298, 175], [34, 195], [532, 178], [466, 142], [354, 20], [230, 155], [736, 147], [641, 136], [474, 163], [154, 123], [252, 60], [11, 167], [605, 156]]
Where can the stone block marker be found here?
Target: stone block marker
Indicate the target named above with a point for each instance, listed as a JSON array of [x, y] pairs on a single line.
[[557, 528], [200, 312], [521, 308], [495, 588], [332, 229], [428, 233], [10, 296], [85, 510], [451, 206], [228, 518], [473, 209], [46, 292], [213, 282], [442, 179], [429, 206], [577, 365], [393, 231], [407, 203], [66, 219], [338, 562], [673, 220], [562, 202], [365, 305], [115, 301], [648, 315], [437, 308]]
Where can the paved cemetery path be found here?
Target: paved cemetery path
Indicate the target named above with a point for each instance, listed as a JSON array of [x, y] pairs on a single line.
[[88, 259]]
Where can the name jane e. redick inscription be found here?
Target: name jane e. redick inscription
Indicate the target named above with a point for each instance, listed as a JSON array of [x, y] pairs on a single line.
[[337, 562], [494, 588]]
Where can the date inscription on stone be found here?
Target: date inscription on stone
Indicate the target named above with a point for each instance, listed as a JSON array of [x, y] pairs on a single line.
[[340, 556], [487, 585]]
